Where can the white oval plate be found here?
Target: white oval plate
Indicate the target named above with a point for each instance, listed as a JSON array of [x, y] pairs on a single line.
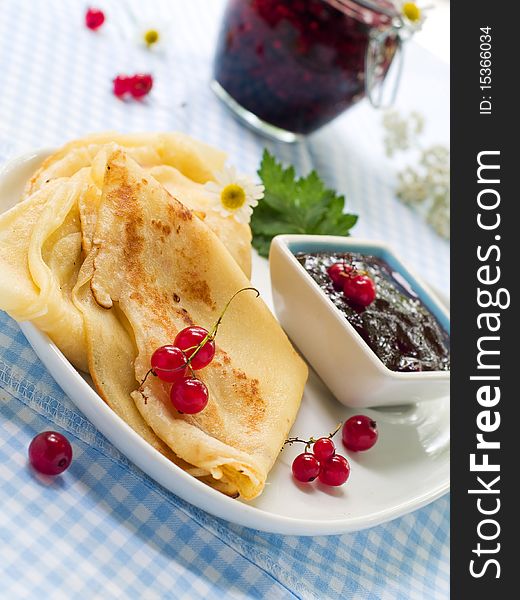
[[407, 469]]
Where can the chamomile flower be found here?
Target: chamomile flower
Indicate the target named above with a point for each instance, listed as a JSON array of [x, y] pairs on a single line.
[[234, 195], [151, 36], [413, 15]]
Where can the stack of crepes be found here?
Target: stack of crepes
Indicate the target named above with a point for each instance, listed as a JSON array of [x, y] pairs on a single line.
[[113, 249]]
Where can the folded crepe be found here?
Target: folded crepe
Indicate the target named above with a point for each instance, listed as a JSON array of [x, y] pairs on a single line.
[[156, 269], [194, 159], [111, 349], [173, 158], [40, 257]]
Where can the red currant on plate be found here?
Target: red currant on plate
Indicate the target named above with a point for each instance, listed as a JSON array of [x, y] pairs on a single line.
[[94, 18], [189, 395], [50, 453], [359, 290], [335, 470], [305, 467], [323, 448], [359, 433], [140, 85], [338, 273], [188, 339], [167, 363]]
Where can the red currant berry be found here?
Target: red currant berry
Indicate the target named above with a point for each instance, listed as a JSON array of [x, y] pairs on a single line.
[[188, 339], [167, 363], [359, 433], [121, 85], [50, 453], [94, 18], [338, 273], [305, 467], [140, 85], [360, 290], [189, 396], [335, 470], [323, 448]]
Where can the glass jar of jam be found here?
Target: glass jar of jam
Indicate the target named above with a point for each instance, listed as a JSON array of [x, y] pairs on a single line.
[[287, 67]]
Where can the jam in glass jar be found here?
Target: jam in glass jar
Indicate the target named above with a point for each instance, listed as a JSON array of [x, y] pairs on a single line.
[[287, 67]]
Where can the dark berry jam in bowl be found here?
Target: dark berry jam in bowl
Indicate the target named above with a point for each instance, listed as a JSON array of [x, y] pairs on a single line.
[[287, 67], [392, 351], [396, 325]]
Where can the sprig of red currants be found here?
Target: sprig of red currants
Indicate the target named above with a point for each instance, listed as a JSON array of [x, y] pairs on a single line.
[[359, 433], [323, 462], [358, 288], [192, 350]]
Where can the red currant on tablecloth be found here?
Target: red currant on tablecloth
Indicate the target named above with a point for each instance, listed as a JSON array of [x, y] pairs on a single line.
[[94, 18], [50, 453], [140, 85], [169, 363], [189, 395], [360, 290], [189, 339], [305, 467], [359, 433], [334, 471], [121, 85], [323, 448]]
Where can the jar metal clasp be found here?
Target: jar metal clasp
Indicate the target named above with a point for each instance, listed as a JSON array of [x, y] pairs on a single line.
[[380, 88]]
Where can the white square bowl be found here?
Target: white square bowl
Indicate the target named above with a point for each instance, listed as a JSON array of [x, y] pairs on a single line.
[[336, 351]]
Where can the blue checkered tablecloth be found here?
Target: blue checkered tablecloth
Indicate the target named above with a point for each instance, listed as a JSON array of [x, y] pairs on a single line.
[[105, 530]]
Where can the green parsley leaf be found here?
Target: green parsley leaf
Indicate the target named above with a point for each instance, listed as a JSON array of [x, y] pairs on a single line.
[[292, 205]]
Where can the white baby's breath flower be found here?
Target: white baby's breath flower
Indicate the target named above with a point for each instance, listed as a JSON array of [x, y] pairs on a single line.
[[234, 195], [424, 184], [401, 132], [412, 188]]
